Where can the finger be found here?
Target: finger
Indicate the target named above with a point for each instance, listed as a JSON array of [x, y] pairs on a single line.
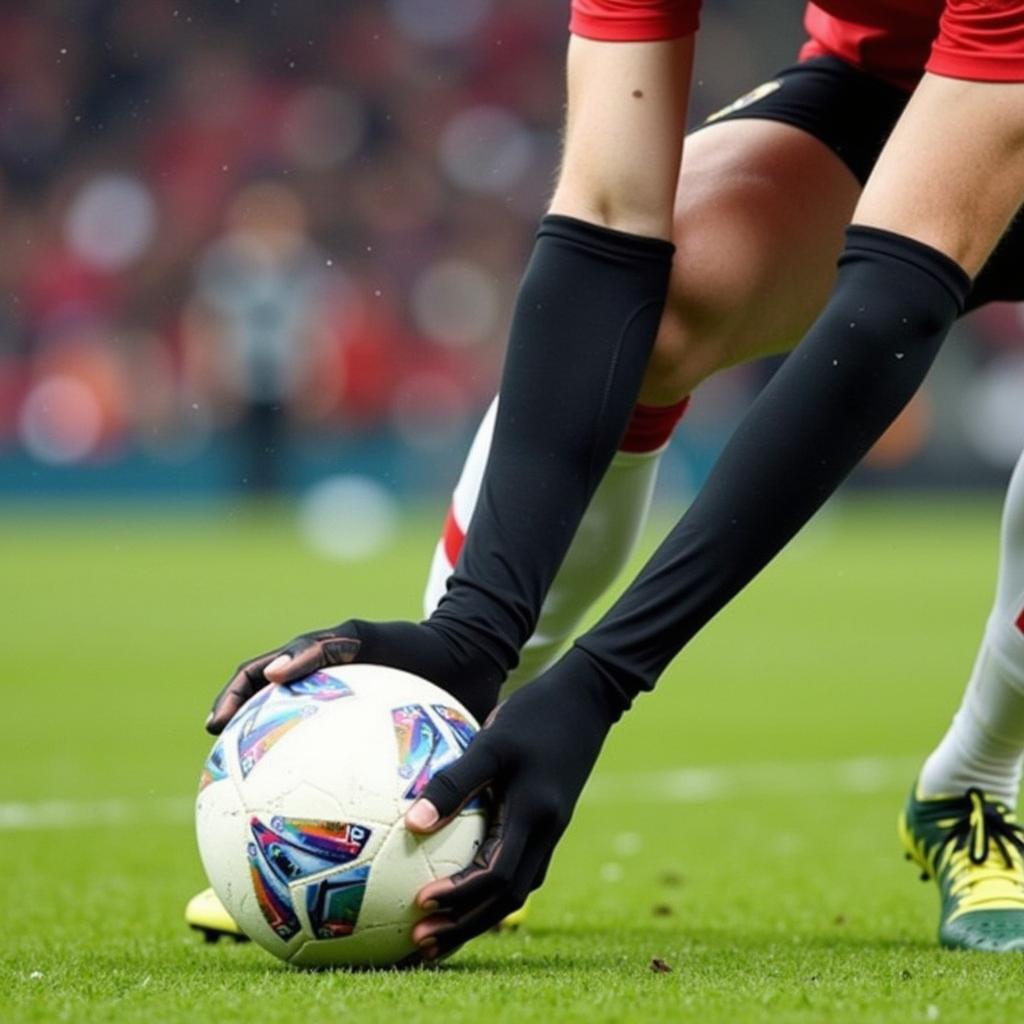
[[247, 680], [426, 927], [450, 926], [276, 669], [422, 817], [439, 936], [448, 791], [510, 864], [542, 871], [487, 877], [304, 655]]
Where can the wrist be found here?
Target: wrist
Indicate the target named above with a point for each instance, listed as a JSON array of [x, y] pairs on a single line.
[[592, 682], [443, 658]]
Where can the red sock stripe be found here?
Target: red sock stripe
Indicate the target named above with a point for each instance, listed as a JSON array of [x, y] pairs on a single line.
[[453, 538], [1020, 620], [649, 429], [651, 426]]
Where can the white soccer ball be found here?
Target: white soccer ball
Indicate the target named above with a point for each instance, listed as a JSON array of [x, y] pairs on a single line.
[[300, 807]]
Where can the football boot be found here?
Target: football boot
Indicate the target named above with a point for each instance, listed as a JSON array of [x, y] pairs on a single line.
[[974, 849]]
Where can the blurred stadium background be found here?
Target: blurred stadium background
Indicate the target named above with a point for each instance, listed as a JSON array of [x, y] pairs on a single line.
[[247, 246]]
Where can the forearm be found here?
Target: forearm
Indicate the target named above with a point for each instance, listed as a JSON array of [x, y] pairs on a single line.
[[582, 331], [833, 398]]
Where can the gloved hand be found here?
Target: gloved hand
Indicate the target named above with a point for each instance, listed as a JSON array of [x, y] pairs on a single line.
[[442, 657], [534, 755]]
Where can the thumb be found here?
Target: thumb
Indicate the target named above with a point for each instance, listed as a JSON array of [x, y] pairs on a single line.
[[422, 817], [449, 791]]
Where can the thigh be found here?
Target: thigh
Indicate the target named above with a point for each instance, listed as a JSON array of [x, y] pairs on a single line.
[[952, 173], [760, 213]]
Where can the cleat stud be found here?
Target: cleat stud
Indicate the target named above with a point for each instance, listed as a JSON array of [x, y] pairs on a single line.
[[210, 938]]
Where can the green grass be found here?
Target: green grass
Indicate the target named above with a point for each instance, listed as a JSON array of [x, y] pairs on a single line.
[[784, 898]]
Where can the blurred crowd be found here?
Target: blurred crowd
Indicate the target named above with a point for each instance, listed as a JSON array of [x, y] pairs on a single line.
[[222, 213], [230, 218]]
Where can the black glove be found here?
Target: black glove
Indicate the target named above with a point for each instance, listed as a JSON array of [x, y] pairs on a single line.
[[534, 755], [447, 660]]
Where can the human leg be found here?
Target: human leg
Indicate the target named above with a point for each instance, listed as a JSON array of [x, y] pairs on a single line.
[[860, 363], [984, 745], [759, 216]]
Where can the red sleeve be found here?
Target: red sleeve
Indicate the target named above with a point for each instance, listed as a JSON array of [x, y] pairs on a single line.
[[634, 21], [982, 42]]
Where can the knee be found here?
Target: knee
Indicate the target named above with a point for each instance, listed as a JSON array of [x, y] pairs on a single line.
[[693, 342]]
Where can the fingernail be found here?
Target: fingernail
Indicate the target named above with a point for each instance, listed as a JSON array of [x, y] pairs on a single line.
[[428, 947], [422, 814], [430, 906], [278, 664]]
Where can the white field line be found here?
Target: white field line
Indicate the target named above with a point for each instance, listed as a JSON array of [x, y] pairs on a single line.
[[759, 779], [60, 814], [682, 785]]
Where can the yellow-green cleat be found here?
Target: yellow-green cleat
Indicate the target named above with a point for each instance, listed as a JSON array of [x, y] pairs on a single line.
[[511, 922], [205, 913], [974, 849]]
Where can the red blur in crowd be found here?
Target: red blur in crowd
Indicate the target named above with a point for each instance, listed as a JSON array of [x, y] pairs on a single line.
[[132, 133]]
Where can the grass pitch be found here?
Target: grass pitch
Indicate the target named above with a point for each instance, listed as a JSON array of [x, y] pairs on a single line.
[[740, 828]]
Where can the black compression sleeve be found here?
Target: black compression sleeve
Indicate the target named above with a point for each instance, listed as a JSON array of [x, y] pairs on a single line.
[[584, 324], [893, 304]]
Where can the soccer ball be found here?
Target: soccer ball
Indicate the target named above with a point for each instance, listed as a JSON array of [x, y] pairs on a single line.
[[300, 807]]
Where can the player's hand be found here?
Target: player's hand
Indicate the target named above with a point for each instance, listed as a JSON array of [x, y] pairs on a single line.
[[420, 648], [308, 652], [534, 756]]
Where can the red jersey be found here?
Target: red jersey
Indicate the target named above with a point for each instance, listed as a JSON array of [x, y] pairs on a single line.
[[980, 40], [634, 21], [891, 39]]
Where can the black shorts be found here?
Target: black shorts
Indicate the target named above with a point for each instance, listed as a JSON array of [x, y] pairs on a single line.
[[853, 113]]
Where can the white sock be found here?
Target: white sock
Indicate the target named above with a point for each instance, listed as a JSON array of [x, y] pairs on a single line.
[[460, 512], [603, 544], [984, 745]]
